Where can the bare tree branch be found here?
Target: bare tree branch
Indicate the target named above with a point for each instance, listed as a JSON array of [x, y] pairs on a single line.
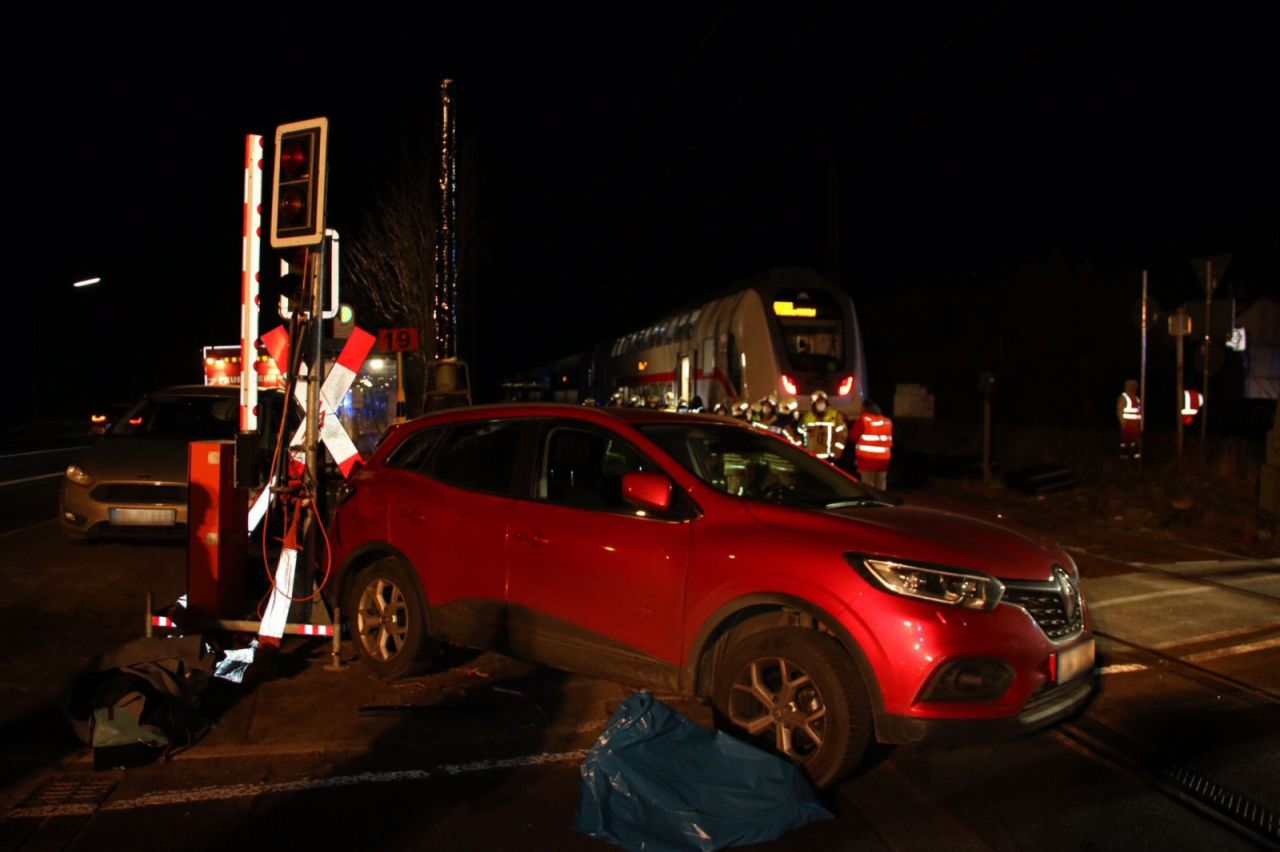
[[390, 257]]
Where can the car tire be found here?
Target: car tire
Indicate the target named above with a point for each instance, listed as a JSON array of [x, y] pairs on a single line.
[[797, 693], [387, 616]]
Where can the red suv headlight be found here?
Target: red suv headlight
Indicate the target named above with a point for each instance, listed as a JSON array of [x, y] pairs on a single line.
[[937, 584]]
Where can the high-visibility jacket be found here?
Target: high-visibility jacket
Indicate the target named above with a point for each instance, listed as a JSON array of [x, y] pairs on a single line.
[[1192, 402], [1130, 408], [875, 442], [824, 433]]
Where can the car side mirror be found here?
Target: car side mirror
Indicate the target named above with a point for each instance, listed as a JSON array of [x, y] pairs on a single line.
[[647, 490]]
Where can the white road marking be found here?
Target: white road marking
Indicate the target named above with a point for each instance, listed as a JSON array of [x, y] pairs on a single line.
[[1203, 656], [43, 452], [24, 529], [1192, 590], [250, 791], [32, 478], [1207, 637], [1233, 650], [1209, 564]]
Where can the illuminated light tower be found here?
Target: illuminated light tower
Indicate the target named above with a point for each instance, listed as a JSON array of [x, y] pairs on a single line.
[[445, 298]]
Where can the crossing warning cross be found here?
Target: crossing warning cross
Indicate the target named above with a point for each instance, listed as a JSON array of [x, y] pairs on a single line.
[[335, 386]]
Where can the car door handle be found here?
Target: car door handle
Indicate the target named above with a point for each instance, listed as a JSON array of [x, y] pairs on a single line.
[[535, 538]]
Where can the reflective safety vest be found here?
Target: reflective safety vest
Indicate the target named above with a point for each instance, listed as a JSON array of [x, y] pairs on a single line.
[[823, 433], [876, 440], [1192, 402], [1132, 408]]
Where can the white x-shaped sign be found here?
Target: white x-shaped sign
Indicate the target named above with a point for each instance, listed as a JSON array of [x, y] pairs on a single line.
[[336, 441], [335, 386]]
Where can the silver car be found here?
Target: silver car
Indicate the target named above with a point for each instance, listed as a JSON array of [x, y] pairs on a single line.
[[134, 480]]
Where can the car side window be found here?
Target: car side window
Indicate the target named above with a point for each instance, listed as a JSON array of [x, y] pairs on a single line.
[[479, 456], [584, 469], [414, 453]]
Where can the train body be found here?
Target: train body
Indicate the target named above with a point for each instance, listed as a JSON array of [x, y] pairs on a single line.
[[784, 333]]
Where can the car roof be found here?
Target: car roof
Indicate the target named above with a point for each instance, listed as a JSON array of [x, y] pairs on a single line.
[[202, 390], [197, 390], [630, 416]]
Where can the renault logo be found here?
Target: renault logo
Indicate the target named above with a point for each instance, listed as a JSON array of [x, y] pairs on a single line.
[[1070, 594]]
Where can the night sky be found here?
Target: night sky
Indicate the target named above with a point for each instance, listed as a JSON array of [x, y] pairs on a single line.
[[618, 163]]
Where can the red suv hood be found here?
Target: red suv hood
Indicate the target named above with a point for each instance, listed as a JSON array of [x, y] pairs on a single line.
[[925, 534]]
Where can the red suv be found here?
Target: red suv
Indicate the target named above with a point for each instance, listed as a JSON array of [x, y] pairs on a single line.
[[695, 554]]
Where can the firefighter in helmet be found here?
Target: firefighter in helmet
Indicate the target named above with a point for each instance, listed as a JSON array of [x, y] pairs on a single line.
[[823, 428], [766, 415]]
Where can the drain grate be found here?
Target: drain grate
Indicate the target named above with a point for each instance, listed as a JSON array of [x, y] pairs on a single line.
[[88, 793], [1236, 806]]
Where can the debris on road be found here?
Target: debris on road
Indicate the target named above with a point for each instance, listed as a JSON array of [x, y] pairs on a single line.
[[655, 780]]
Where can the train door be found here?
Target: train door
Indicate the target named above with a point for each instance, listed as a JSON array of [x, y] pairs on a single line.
[[707, 372], [685, 378]]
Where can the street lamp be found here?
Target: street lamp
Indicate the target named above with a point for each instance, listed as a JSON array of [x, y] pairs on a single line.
[[35, 332]]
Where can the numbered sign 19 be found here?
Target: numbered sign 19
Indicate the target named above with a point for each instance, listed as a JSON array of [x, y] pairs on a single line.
[[398, 339]]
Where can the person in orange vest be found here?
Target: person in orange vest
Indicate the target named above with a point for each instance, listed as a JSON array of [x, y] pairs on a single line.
[[872, 436], [1129, 413], [1192, 402]]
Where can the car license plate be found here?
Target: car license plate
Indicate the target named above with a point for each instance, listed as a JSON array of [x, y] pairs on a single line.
[[143, 517], [1074, 661]]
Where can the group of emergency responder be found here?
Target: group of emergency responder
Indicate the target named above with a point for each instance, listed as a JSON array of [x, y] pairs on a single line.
[[822, 429], [1129, 414]]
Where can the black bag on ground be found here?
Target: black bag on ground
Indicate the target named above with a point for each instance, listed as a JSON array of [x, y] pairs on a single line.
[[140, 701]]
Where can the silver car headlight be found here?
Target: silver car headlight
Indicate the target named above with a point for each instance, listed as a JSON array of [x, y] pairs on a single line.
[[952, 586], [77, 475]]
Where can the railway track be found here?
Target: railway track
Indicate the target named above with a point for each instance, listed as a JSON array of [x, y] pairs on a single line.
[[1251, 814]]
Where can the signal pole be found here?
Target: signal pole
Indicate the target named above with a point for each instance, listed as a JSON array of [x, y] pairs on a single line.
[[1142, 377], [1182, 328], [1204, 387]]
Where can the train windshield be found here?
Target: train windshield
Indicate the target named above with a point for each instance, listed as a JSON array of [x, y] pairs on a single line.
[[758, 466], [812, 326]]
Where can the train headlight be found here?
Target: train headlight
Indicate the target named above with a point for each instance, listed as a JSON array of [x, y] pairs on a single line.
[[789, 385], [846, 386]]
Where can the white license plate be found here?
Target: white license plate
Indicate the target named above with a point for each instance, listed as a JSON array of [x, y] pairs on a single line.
[[143, 517], [1074, 661]]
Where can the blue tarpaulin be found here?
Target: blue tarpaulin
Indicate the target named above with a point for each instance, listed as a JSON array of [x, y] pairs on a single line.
[[657, 781]]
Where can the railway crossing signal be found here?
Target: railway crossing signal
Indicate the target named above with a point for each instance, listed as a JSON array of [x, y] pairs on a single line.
[[298, 183]]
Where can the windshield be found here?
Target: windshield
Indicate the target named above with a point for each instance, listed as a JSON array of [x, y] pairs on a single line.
[[756, 465], [811, 325], [195, 418]]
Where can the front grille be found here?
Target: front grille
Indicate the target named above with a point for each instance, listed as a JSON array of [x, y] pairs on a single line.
[[1049, 607], [130, 493]]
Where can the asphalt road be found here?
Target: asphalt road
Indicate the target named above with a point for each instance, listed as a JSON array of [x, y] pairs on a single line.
[[484, 753]]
